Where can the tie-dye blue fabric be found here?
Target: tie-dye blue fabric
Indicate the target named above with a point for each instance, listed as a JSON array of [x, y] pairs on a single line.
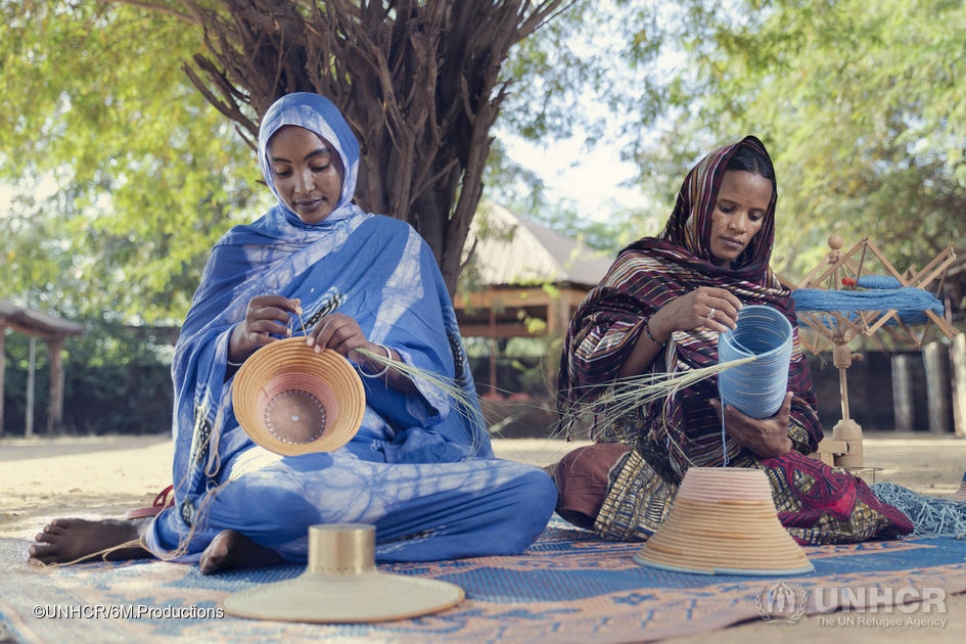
[[420, 468]]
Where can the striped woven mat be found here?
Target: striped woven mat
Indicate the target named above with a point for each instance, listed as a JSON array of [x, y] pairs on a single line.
[[568, 587]]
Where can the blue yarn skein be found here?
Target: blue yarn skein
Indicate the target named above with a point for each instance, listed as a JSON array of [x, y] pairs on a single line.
[[930, 516]]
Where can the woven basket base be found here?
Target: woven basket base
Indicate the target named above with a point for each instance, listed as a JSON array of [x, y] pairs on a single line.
[[291, 400], [341, 584]]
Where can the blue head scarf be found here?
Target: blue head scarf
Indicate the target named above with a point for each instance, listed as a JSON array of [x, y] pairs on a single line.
[[316, 114]]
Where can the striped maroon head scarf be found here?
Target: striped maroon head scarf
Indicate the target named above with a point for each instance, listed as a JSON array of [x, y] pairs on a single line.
[[689, 226]]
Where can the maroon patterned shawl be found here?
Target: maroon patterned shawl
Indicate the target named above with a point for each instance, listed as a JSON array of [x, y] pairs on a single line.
[[648, 274]]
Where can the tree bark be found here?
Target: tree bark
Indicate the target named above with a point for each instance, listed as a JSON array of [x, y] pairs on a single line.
[[418, 81]]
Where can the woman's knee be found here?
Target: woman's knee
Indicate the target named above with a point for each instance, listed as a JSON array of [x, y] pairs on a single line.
[[583, 481]]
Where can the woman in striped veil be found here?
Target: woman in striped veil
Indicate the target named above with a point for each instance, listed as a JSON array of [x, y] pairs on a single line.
[[659, 309]]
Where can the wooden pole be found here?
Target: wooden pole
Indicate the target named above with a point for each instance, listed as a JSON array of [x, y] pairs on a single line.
[[55, 417], [936, 357], [958, 360], [3, 370], [493, 347], [31, 369], [903, 396]]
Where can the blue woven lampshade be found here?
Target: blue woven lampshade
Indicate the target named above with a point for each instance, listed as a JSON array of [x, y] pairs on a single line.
[[756, 388]]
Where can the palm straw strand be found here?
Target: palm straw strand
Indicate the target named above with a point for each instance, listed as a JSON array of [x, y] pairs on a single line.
[[465, 404], [625, 395]]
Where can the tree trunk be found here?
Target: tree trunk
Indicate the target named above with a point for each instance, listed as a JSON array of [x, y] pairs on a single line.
[[418, 82]]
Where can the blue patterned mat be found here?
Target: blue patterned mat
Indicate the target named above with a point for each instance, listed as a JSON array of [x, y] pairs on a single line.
[[568, 587]]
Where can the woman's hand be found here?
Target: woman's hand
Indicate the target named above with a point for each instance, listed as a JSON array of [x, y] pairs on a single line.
[[707, 306], [342, 334], [267, 316], [767, 437]]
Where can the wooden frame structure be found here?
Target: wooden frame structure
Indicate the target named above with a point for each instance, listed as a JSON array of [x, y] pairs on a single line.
[[838, 328], [54, 331], [529, 281], [856, 262]]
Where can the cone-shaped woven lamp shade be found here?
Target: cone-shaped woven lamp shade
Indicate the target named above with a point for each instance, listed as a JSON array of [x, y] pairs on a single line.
[[342, 585], [291, 400], [961, 492], [724, 522]]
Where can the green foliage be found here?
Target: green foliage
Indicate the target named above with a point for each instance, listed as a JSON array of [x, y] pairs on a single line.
[[105, 400], [857, 101], [117, 380], [126, 175], [588, 75]]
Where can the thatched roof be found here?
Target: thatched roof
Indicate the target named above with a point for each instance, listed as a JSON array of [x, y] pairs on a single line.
[[511, 250]]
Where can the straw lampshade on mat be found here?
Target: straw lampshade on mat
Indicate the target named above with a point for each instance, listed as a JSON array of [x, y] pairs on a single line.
[[291, 400], [342, 585], [724, 522]]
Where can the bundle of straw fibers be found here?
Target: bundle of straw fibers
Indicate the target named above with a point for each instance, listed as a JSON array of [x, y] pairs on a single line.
[[724, 521]]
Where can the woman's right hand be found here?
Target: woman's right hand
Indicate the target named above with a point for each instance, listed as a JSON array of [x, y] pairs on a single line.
[[707, 306], [267, 316]]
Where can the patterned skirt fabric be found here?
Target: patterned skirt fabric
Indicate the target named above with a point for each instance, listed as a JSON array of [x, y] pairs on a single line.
[[816, 503]]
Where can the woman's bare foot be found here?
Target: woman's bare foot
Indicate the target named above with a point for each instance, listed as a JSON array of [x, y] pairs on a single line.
[[74, 540], [230, 549]]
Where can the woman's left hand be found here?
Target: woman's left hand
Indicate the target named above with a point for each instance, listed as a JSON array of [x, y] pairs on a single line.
[[342, 334], [767, 437]]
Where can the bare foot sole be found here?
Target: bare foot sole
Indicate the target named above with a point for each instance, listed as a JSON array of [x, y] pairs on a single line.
[[230, 550], [75, 540]]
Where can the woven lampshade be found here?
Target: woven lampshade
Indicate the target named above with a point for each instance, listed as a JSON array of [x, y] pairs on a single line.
[[724, 522], [756, 388], [291, 400], [341, 584]]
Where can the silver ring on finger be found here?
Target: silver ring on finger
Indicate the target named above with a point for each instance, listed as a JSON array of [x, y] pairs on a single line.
[[711, 313]]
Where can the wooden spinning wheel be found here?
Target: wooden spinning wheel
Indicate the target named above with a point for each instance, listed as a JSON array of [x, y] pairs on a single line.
[[860, 293]]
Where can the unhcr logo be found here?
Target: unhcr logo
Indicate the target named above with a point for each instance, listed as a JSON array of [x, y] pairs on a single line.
[[904, 600], [781, 603], [788, 603]]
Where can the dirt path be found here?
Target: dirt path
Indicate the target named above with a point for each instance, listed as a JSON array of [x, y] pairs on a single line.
[[97, 477]]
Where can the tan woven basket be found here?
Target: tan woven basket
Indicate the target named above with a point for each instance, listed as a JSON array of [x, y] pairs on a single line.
[[342, 584], [724, 521], [291, 400]]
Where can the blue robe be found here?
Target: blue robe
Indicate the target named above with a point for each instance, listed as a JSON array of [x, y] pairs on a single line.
[[420, 468]]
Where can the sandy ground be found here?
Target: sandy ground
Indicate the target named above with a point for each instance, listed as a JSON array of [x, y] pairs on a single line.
[[41, 479]]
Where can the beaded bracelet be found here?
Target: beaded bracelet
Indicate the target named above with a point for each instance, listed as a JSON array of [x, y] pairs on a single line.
[[385, 367], [647, 330]]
